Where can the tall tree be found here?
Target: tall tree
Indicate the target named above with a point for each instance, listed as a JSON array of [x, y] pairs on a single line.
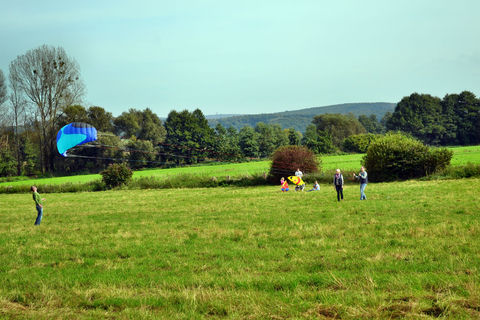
[[371, 124], [248, 142], [100, 119], [421, 116], [3, 88], [294, 137], [3, 98], [188, 136], [265, 139], [49, 79], [17, 110], [75, 113], [317, 141], [338, 126], [466, 117]]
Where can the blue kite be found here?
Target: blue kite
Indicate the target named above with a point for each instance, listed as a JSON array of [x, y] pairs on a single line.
[[74, 134]]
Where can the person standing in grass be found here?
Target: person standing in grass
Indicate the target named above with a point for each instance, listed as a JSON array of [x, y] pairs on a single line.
[[38, 204], [363, 177], [338, 184]]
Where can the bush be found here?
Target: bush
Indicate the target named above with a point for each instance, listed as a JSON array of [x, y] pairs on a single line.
[[286, 160], [358, 143], [116, 175], [469, 170], [398, 157]]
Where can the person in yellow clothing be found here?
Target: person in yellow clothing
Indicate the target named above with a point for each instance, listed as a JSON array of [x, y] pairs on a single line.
[[38, 204]]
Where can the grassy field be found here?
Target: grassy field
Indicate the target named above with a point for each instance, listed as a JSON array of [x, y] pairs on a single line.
[[349, 162], [410, 251]]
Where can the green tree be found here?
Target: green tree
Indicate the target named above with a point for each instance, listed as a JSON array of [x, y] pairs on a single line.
[[189, 138], [338, 126], [318, 142], [294, 137], [144, 125], [74, 113], [248, 142], [8, 164], [421, 116], [141, 153], [462, 112], [100, 119], [127, 124], [226, 143], [265, 138], [371, 124], [28, 155]]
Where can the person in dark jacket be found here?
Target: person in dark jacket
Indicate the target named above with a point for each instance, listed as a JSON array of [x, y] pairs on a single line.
[[338, 184], [363, 178]]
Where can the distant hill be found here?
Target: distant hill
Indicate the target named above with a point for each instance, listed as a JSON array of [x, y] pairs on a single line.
[[300, 119]]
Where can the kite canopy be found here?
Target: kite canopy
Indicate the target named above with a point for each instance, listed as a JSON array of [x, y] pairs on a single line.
[[74, 134], [297, 180]]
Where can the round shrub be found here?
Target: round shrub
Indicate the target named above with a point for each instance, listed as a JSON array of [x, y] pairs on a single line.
[[399, 157], [116, 175], [358, 143], [287, 159]]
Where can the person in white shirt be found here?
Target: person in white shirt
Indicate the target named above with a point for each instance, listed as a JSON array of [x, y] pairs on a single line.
[[298, 173]]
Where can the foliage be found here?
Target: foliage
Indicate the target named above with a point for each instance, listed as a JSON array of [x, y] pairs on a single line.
[[248, 142], [318, 142], [358, 143], [227, 144], [189, 137], [453, 120], [144, 125], [371, 124], [294, 137], [287, 159], [269, 138], [398, 157], [141, 153], [100, 119], [338, 126], [8, 165], [116, 175]]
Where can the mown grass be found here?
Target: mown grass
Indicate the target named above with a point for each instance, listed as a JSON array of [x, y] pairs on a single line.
[[410, 251]]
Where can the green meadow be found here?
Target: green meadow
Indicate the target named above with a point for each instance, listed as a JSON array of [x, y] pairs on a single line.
[[410, 251], [347, 162]]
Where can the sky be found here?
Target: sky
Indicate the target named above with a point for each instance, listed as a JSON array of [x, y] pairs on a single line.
[[246, 57]]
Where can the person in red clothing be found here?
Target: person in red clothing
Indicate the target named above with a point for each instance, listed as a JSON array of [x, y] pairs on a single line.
[[284, 185]]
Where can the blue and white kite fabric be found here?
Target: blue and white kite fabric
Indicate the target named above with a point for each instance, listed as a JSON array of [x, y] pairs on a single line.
[[74, 134]]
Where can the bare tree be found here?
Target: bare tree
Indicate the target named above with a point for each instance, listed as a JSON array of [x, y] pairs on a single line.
[[3, 88], [50, 80], [3, 98], [17, 109]]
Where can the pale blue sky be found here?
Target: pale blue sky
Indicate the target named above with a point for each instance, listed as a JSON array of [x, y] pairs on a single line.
[[252, 56]]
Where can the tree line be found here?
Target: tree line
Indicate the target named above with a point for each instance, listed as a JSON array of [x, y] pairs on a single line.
[[44, 91]]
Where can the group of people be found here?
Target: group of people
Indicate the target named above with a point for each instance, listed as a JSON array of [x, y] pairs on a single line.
[[338, 183]]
